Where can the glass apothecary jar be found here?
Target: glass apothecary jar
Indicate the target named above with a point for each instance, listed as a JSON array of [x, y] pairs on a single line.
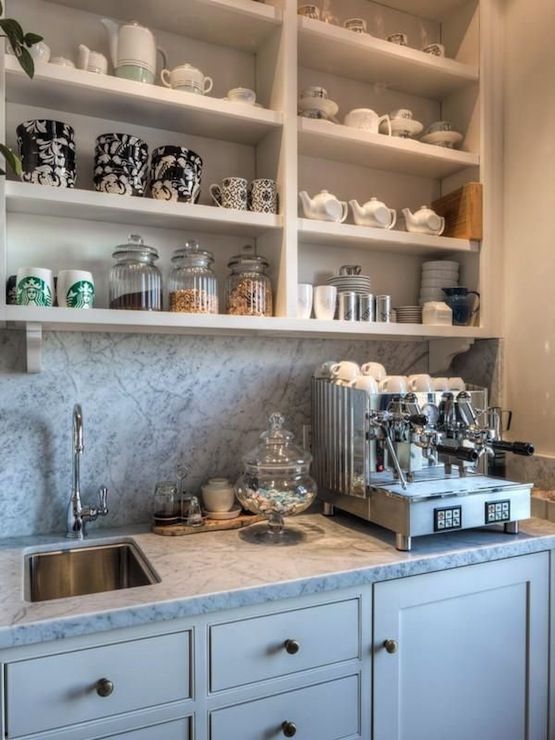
[[248, 290], [135, 281], [276, 482], [192, 285]]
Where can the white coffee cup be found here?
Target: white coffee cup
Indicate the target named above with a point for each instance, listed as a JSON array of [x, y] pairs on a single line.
[[62, 62], [420, 383], [457, 384], [35, 286], [374, 369], [188, 78], [218, 495], [440, 384], [75, 289], [367, 120], [324, 371], [304, 300], [365, 383], [345, 370], [394, 384], [325, 300], [241, 95]]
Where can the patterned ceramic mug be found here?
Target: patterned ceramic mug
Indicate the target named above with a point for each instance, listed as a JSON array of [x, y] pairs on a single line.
[[232, 193], [120, 164], [47, 151], [263, 196], [35, 286], [175, 174], [75, 289]]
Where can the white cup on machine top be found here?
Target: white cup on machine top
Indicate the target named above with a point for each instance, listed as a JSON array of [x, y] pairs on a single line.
[[345, 371], [394, 384], [304, 300], [365, 383], [375, 369], [421, 383], [440, 384], [457, 384]]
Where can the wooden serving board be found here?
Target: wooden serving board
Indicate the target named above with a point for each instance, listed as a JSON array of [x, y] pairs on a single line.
[[210, 525], [462, 210]]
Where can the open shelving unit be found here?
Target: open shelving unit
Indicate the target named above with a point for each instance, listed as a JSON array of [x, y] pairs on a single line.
[[266, 46]]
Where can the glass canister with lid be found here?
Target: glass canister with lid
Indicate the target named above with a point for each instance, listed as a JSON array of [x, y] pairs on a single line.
[[276, 482], [193, 287], [248, 287], [135, 280]]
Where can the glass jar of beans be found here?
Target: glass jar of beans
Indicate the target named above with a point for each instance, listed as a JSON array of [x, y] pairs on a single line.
[[248, 290], [193, 287]]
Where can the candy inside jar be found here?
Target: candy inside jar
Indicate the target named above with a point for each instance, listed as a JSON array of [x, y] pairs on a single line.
[[276, 483]]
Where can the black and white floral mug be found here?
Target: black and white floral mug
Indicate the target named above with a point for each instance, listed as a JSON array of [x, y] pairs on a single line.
[[120, 164], [263, 196], [232, 193], [175, 174], [47, 151]]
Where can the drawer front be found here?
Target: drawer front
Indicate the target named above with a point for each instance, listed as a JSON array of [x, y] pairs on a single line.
[[329, 711], [62, 689], [179, 730], [255, 649]]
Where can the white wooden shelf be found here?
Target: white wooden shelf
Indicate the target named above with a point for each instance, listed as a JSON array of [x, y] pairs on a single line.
[[43, 200], [103, 319], [341, 52], [241, 24], [344, 144], [382, 240], [104, 96]]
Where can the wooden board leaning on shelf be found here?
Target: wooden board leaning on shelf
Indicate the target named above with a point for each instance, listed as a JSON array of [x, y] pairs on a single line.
[[462, 210]]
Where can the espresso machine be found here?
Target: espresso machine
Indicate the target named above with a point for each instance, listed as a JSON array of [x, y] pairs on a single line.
[[415, 463]]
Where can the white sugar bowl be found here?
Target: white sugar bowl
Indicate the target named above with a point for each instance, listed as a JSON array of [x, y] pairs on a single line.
[[218, 495]]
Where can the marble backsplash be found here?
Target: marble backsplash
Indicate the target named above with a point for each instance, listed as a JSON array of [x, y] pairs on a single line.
[[150, 402]]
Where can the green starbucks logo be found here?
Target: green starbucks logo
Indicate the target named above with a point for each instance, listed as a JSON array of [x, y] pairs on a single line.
[[33, 291], [80, 295]]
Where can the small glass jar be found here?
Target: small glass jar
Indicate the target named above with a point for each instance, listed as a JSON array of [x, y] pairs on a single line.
[[135, 281], [248, 290], [167, 506], [193, 287]]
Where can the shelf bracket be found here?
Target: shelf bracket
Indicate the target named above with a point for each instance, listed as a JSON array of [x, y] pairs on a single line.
[[441, 352], [33, 344]]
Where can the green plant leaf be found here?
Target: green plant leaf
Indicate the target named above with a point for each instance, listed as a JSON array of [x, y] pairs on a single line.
[[32, 38], [26, 61], [12, 160], [1, 8], [12, 29]]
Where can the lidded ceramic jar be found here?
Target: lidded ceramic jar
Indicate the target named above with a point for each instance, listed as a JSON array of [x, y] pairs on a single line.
[[193, 287], [135, 280], [276, 481]]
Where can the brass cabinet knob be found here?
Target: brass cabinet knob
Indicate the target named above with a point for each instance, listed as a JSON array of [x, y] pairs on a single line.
[[391, 646], [289, 729], [104, 687], [292, 646]]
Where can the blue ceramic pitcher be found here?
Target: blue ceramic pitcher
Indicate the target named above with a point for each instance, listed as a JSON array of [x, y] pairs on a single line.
[[461, 301]]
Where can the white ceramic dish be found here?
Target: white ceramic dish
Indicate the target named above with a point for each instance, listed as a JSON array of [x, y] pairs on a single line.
[[441, 265], [404, 128], [222, 515], [323, 106], [447, 139]]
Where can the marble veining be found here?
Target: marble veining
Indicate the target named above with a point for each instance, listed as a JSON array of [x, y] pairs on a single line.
[[211, 572]]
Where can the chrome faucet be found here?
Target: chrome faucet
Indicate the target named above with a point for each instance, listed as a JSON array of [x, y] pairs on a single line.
[[77, 514]]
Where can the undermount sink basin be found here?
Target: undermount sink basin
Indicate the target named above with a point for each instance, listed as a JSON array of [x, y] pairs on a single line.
[[86, 570]]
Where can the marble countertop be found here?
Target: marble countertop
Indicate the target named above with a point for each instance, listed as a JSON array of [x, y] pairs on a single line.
[[209, 572]]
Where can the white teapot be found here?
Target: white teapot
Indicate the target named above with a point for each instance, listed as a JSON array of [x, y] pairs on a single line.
[[324, 206], [373, 213], [424, 221], [133, 50]]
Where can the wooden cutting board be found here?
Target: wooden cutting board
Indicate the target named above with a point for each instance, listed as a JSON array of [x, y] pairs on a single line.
[[210, 525], [462, 210]]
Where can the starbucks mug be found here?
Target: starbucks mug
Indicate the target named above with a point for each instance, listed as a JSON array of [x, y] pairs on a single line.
[[75, 289], [35, 286]]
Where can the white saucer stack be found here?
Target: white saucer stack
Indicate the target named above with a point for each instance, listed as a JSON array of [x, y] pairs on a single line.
[[436, 275], [351, 283], [409, 314]]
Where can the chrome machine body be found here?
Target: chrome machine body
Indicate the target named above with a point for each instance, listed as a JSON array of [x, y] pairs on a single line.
[[413, 463]]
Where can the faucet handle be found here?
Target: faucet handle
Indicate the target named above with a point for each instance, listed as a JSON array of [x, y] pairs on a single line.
[[103, 500]]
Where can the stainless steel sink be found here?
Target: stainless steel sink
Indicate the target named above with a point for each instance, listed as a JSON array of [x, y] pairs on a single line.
[[86, 570]]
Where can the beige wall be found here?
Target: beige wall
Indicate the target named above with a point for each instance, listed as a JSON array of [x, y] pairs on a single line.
[[529, 243]]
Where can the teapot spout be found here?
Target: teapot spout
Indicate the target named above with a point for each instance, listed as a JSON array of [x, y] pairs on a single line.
[[409, 217], [83, 53], [357, 210], [306, 202], [113, 30]]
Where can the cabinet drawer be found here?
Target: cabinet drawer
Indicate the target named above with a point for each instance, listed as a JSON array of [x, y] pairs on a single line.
[[62, 689], [329, 711], [255, 649], [179, 730]]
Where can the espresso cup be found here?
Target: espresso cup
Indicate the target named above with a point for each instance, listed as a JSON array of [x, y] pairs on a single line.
[[366, 383], [187, 78], [358, 25], [440, 384], [75, 289], [35, 286], [232, 193], [345, 370], [374, 369], [263, 196], [325, 302], [398, 38], [436, 50], [304, 300], [393, 384], [309, 11], [420, 383], [456, 384]]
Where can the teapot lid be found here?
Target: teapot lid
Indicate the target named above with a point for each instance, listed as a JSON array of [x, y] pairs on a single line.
[[276, 450]]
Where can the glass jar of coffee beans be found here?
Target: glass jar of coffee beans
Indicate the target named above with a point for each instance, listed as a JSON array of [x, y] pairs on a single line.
[[248, 290], [193, 287]]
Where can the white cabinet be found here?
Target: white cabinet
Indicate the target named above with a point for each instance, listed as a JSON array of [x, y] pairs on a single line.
[[470, 658]]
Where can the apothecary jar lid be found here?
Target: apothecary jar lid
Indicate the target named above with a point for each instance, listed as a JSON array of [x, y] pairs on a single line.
[[136, 248], [276, 451], [191, 253], [249, 260]]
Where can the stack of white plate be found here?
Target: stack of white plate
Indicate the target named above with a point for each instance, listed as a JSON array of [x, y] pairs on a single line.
[[351, 283], [436, 275], [409, 314]]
